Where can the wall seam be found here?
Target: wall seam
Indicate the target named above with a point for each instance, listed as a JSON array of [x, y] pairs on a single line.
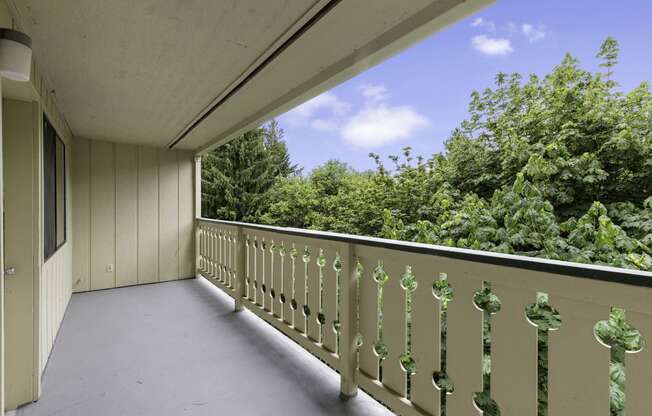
[[90, 216], [158, 207], [176, 159], [115, 213], [178, 216], [137, 214]]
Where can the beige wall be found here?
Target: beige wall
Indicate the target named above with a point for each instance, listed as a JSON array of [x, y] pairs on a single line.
[[21, 215], [133, 215], [55, 275], [51, 284], [39, 292], [55, 291]]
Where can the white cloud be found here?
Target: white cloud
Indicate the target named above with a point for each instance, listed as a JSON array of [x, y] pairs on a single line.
[[492, 46], [533, 34], [374, 123], [376, 126], [374, 92], [324, 124], [481, 22], [326, 101]]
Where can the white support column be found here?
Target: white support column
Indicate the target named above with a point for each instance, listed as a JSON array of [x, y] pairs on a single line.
[[197, 199], [348, 314]]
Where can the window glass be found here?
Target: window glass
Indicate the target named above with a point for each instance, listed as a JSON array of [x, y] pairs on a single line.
[[60, 164], [54, 190]]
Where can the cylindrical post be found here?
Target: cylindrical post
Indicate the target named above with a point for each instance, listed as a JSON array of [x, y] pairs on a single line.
[[349, 318], [240, 269]]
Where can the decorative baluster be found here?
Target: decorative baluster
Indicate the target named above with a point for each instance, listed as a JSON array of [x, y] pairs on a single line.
[[368, 317], [578, 363], [277, 277], [230, 260], [464, 345], [514, 354], [426, 349], [228, 251], [348, 349], [288, 283], [240, 275], [260, 272], [251, 268], [393, 325], [235, 240], [209, 252], [215, 243], [638, 367], [199, 246], [219, 259], [331, 274], [267, 273], [221, 256], [300, 289], [313, 294]]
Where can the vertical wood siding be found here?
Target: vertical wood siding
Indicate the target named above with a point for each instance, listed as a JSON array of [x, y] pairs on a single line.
[[126, 215], [55, 291], [133, 210], [55, 286], [102, 196]]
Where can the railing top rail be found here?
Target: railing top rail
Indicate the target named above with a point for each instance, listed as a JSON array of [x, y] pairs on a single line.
[[588, 271]]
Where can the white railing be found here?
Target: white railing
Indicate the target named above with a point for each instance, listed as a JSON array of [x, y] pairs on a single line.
[[353, 300]]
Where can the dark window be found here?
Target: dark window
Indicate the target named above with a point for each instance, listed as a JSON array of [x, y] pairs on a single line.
[[54, 190]]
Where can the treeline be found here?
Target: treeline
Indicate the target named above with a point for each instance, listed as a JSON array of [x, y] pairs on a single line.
[[558, 167]]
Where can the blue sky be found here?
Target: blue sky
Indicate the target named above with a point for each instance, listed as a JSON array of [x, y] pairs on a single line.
[[417, 97]]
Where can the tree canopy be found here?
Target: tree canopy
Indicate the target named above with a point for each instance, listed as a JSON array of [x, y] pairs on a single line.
[[237, 176], [558, 167]]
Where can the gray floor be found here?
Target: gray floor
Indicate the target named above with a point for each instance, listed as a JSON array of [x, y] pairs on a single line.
[[177, 349]]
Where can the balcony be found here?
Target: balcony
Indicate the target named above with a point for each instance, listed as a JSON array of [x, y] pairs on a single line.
[[100, 188], [178, 348]]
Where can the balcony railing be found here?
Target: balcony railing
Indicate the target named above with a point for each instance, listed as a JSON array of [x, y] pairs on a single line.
[[367, 308]]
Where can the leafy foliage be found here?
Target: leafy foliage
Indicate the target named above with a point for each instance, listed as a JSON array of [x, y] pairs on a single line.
[[558, 167]]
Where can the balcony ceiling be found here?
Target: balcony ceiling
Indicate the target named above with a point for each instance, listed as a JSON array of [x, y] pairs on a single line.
[[194, 73]]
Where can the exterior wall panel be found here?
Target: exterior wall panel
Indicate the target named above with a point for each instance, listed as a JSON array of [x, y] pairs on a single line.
[[48, 282], [56, 274], [126, 231], [168, 215], [135, 211], [20, 212], [148, 237], [81, 219], [102, 216], [186, 215]]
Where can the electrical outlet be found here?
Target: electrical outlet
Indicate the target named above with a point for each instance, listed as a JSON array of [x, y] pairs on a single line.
[[109, 268]]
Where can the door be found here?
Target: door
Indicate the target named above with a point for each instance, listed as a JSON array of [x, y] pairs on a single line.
[[20, 214]]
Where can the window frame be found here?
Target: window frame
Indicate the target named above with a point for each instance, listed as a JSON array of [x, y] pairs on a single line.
[[51, 142]]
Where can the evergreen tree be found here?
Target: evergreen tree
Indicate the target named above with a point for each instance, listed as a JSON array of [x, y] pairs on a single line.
[[237, 176]]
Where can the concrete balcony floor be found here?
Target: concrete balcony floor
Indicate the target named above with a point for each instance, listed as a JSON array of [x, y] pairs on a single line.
[[178, 349]]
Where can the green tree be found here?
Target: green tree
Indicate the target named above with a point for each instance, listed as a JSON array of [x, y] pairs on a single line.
[[237, 176], [558, 167], [572, 133]]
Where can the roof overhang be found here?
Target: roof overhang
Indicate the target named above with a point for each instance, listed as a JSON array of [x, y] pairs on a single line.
[[193, 74]]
